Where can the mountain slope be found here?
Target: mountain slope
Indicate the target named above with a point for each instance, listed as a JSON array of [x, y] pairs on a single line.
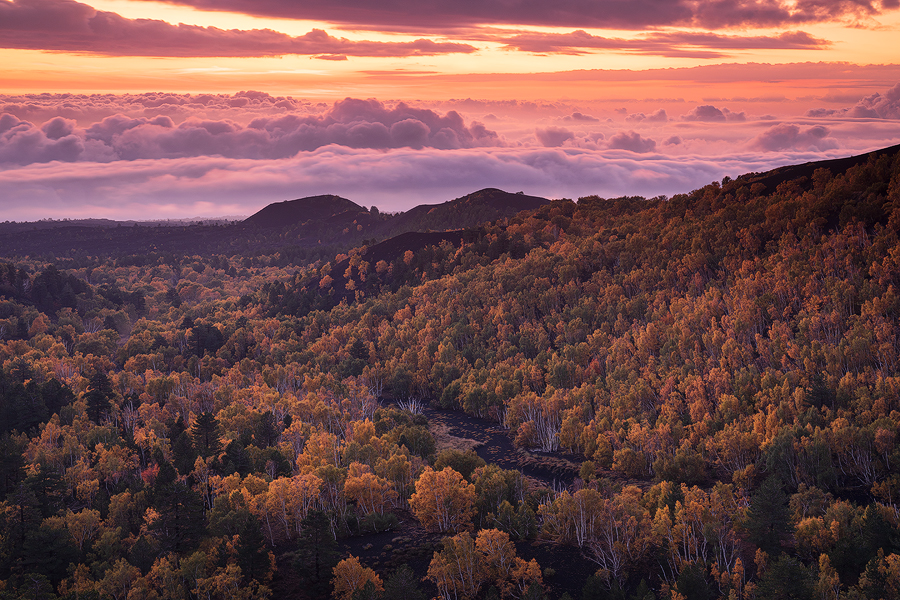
[[467, 211], [302, 210]]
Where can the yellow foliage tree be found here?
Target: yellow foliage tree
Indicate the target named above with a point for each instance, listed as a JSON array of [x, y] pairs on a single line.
[[350, 576], [443, 500]]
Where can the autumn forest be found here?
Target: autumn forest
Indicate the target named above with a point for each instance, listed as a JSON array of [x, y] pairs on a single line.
[[687, 398]]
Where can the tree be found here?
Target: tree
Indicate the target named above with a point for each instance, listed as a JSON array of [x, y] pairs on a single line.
[[402, 584], [316, 554], [371, 494], [767, 517], [350, 576], [97, 396], [206, 434], [443, 501], [252, 557], [456, 570]]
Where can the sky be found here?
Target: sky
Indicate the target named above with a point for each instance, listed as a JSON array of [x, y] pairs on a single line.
[[137, 109]]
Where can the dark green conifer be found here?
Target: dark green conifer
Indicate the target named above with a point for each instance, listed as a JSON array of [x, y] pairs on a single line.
[[206, 434]]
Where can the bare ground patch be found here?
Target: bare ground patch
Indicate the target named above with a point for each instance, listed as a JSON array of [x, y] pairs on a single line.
[[444, 440]]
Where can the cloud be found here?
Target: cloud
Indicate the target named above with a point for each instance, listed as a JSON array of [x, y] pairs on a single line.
[[393, 180], [658, 116], [66, 25], [671, 44], [553, 137], [350, 122], [787, 136], [883, 106], [577, 116], [631, 141], [710, 113], [608, 14], [876, 106]]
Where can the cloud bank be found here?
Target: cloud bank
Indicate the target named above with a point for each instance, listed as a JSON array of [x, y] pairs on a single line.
[[350, 122], [393, 180], [176, 155]]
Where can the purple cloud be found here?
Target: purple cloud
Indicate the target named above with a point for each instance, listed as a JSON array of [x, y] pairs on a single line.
[[632, 141], [786, 136], [66, 25], [608, 14], [710, 113], [213, 186], [883, 106], [577, 116], [658, 116], [678, 43], [350, 122], [553, 137]]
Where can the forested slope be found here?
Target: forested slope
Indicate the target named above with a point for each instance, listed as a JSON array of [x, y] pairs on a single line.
[[723, 364]]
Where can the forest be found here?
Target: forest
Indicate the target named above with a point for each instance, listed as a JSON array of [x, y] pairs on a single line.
[[685, 398]]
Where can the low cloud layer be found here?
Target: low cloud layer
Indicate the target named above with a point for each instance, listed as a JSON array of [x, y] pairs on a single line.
[[66, 25], [351, 123], [392, 180], [176, 155]]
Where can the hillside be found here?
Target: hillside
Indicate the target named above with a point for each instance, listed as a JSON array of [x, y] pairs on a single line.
[[303, 210], [301, 230], [624, 398], [483, 206]]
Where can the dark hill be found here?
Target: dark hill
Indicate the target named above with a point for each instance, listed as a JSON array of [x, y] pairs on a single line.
[[797, 173], [471, 210], [293, 212]]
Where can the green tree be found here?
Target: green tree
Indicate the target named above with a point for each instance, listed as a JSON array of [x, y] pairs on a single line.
[[97, 396], [252, 556], [785, 578], [767, 517], [316, 554], [402, 584], [206, 434]]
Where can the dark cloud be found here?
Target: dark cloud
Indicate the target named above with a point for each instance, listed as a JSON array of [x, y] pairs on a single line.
[[787, 136], [631, 141], [553, 137], [710, 113], [66, 25], [608, 14], [678, 43], [352, 123], [673, 141]]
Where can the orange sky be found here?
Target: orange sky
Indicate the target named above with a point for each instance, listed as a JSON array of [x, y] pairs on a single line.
[[656, 79], [88, 67]]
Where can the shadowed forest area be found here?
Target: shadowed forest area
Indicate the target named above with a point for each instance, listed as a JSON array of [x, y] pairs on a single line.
[[686, 398]]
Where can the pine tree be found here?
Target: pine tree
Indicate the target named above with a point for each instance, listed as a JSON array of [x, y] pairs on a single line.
[[316, 555], [252, 556], [767, 519], [98, 393], [206, 434]]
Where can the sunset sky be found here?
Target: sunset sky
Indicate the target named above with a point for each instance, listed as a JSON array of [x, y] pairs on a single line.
[[136, 109]]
